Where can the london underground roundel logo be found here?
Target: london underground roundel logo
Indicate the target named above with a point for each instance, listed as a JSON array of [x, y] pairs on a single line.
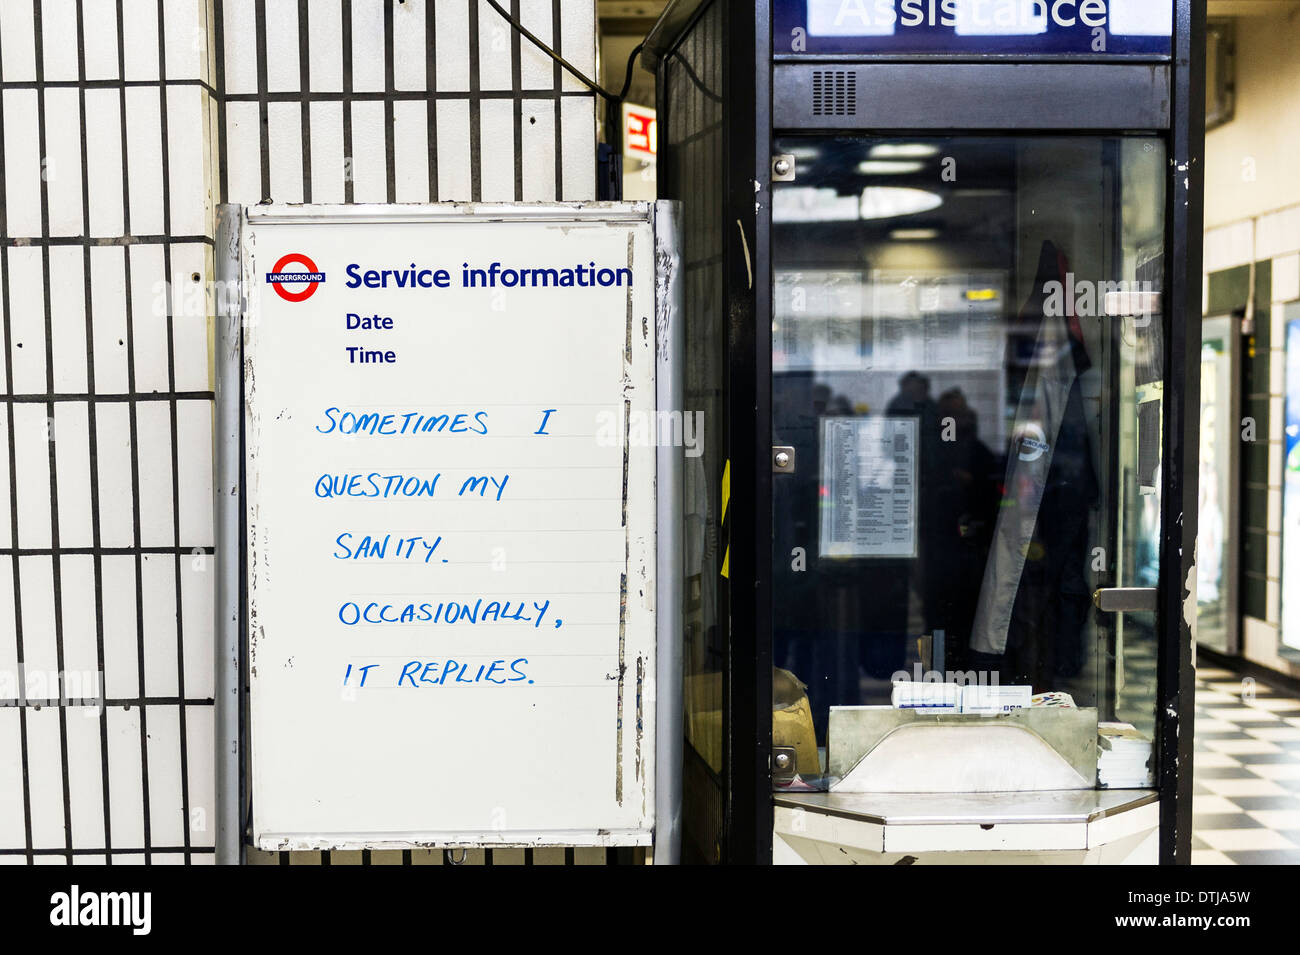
[[277, 278]]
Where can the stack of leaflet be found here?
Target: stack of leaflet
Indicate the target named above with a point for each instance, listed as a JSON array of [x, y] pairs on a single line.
[[1124, 757], [1054, 698], [936, 697], [955, 698]]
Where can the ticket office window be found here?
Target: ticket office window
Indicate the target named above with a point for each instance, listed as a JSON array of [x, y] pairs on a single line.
[[968, 394]]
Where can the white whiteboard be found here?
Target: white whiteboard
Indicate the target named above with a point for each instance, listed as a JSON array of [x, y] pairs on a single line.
[[507, 623]]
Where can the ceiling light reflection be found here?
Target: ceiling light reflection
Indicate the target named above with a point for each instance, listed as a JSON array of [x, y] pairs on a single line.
[[889, 202], [903, 151], [889, 167]]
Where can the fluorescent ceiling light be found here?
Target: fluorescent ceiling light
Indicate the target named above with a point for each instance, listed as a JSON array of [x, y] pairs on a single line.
[[889, 167], [904, 151], [914, 235], [889, 202], [805, 152]]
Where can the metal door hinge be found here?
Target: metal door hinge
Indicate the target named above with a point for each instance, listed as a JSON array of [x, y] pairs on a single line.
[[785, 764], [783, 168]]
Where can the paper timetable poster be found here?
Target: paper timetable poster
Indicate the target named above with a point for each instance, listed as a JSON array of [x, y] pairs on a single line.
[[868, 487]]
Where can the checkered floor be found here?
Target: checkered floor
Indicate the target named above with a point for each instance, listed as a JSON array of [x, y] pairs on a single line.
[[1247, 788]]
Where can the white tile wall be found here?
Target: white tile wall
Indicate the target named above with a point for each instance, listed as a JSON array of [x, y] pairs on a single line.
[[1279, 232], [105, 376], [340, 146], [1228, 246], [94, 349], [1286, 278]]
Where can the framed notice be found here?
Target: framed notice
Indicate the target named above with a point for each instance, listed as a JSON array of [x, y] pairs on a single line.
[[451, 524], [868, 481]]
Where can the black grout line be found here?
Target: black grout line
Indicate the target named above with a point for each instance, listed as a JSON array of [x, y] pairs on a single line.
[[26, 398], [84, 84], [20, 650], [37, 241], [165, 137], [92, 433], [130, 345], [105, 851], [379, 96], [475, 108], [557, 38], [56, 566], [113, 701], [134, 432], [431, 104], [390, 128], [304, 86], [219, 59], [137, 551], [349, 165], [263, 117], [517, 110]]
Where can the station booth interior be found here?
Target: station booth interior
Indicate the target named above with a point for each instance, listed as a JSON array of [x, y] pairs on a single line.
[[942, 307]]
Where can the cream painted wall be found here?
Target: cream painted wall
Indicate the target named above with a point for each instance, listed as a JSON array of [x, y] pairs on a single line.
[[1250, 163], [1252, 211]]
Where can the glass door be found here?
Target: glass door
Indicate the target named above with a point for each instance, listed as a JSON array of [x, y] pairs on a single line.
[[967, 403], [1215, 564]]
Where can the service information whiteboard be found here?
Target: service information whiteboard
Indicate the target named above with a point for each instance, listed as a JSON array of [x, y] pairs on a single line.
[[450, 507]]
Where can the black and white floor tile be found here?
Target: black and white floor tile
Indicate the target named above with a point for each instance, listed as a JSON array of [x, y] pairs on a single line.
[[1247, 772]]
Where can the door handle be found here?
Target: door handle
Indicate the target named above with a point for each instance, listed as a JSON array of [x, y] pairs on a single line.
[[1125, 599]]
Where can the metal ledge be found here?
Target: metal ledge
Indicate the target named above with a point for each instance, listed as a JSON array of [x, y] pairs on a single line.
[[971, 809]]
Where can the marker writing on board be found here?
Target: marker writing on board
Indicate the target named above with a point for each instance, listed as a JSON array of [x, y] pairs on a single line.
[[441, 672], [480, 484], [378, 547], [383, 424], [365, 672], [376, 485], [446, 612], [546, 416]]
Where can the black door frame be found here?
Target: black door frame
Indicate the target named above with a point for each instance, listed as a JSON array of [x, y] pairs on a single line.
[[749, 132]]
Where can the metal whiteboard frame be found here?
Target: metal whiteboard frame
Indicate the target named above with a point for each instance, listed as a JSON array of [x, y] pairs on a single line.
[[232, 786]]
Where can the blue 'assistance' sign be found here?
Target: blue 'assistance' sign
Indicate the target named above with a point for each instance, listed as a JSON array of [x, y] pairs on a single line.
[[972, 27]]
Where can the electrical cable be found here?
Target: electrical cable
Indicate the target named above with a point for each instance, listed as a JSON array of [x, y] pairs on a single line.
[[577, 74]]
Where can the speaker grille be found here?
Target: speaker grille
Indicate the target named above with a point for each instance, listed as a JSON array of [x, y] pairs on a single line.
[[835, 93]]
